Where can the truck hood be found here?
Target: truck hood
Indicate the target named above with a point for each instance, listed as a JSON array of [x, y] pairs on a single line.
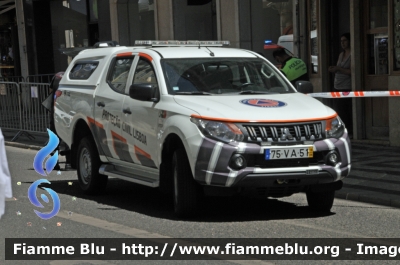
[[293, 107]]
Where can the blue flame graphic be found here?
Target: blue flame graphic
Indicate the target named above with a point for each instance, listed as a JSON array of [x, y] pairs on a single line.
[[44, 152], [32, 197]]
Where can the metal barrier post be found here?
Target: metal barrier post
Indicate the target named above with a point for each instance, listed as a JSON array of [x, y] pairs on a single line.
[[10, 106], [31, 137], [46, 78], [34, 116]]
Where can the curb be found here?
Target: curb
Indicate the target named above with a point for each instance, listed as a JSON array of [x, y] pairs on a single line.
[[371, 142], [25, 146], [351, 196]]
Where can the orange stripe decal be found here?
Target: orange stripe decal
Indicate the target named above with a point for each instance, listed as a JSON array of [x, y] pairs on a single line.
[[263, 121], [333, 94], [98, 124], [143, 153], [119, 137], [124, 54], [144, 55]]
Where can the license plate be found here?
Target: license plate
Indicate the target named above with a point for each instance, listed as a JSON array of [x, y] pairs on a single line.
[[289, 153]]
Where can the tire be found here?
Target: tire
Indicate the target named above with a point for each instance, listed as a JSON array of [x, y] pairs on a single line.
[[187, 192], [321, 201], [88, 164]]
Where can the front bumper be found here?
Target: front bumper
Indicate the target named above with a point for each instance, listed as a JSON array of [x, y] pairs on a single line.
[[212, 165]]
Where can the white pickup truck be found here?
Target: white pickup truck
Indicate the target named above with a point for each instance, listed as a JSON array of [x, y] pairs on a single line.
[[195, 118]]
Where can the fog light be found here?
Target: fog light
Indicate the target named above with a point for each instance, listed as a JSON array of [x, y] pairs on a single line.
[[281, 181], [238, 161], [332, 158]]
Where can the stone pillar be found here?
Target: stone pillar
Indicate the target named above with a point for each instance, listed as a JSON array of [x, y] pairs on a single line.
[[356, 26], [323, 45], [164, 20], [394, 112], [114, 20], [19, 9], [229, 22]]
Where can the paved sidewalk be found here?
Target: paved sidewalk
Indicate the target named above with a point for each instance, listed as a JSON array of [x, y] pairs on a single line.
[[374, 177]]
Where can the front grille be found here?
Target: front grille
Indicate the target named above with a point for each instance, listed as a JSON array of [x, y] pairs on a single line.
[[283, 133]]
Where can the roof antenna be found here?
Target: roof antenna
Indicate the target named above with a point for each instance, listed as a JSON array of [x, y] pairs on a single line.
[[211, 53]]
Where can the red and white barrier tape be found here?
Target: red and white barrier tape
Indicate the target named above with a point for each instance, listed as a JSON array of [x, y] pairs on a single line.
[[356, 94]]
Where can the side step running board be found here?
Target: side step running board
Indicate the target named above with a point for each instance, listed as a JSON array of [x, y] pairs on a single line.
[[110, 170]]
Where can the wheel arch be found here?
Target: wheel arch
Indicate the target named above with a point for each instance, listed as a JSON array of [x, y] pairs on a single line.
[[81, 130], [171, 143]]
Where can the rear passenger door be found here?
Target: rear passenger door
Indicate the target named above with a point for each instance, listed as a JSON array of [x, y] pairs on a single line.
[[108, 108]]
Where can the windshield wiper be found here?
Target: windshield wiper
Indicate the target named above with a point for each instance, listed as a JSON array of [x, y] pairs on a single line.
[[192, 93], [246, 92]]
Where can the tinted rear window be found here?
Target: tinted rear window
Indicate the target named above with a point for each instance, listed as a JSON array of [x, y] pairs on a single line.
[[83, 70]]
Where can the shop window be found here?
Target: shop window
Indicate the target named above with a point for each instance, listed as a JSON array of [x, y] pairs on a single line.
[[378, 38], [136, 21], [6, 54], [396, 34], [378, 54], [195, 20], [378, 14]]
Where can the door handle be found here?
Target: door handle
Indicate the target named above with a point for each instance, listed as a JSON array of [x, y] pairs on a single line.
[[127, 111], [101, 104]]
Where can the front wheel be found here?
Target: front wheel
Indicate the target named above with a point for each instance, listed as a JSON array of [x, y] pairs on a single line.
[[320, 201], [88, 164], [187, 192]]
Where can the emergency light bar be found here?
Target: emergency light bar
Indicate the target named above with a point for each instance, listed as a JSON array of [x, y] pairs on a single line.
[[194, 43], [269, 45]]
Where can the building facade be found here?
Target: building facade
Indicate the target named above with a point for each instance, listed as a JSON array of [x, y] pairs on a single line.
[[314, 28]]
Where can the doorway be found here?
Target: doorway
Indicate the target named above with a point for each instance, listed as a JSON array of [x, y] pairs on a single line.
[[339, 23], [376, 63]]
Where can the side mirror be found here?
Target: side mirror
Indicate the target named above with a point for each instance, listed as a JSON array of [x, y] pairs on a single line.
[[144, 92], [305, 87]]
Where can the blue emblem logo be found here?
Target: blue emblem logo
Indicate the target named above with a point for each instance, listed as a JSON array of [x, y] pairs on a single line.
[[263, 103], [32, 197], [44, 152]]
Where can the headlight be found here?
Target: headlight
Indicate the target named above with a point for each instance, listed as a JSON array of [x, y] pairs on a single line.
[[222, 131], [334, 128]]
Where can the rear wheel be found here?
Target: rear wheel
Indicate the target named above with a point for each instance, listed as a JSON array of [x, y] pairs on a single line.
[[187, 192], [90, 180], [320, 201]]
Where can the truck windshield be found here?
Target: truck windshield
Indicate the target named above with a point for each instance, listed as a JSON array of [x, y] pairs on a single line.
[[208, 76]]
